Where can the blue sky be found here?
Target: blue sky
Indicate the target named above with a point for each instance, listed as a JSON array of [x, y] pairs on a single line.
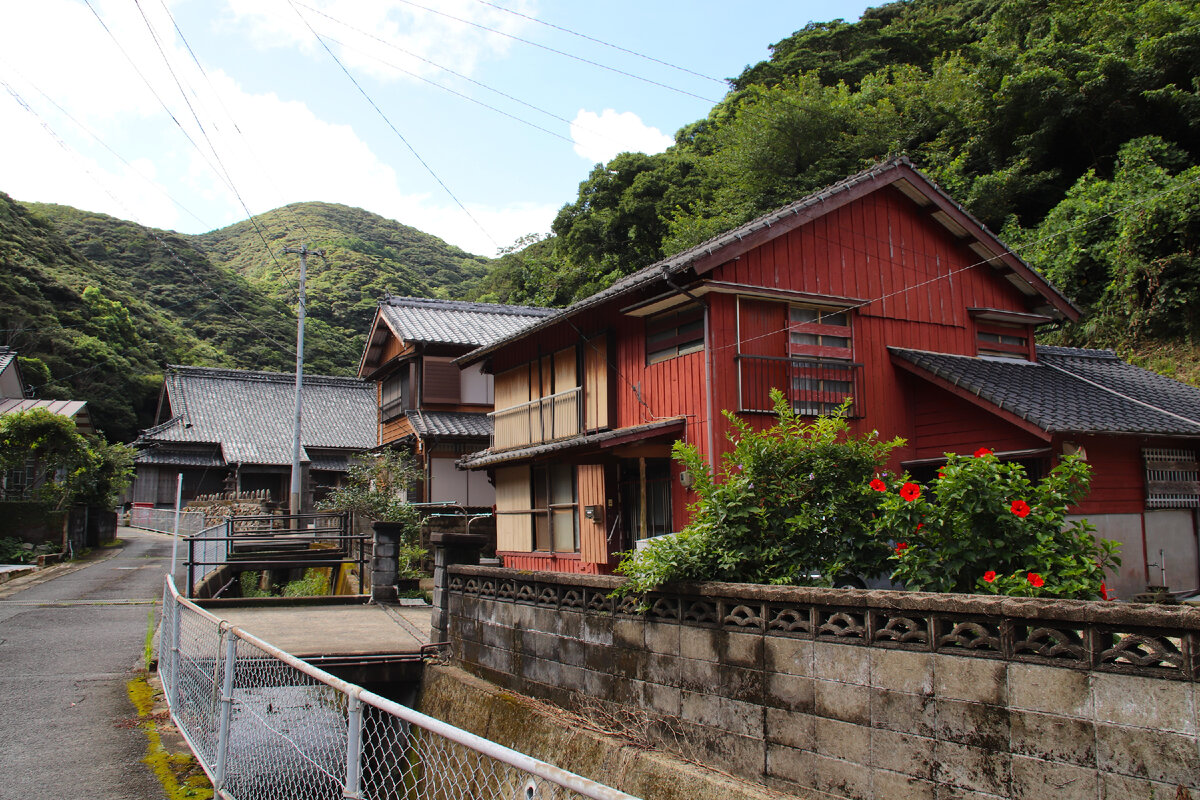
[[483, 105]]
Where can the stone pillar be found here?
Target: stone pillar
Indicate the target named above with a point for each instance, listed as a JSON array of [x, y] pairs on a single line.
[[449, 549], [384, 564]]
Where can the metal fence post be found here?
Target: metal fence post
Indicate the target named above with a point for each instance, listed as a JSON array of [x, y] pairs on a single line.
[[226, 707], [352, 789], [176, 625]]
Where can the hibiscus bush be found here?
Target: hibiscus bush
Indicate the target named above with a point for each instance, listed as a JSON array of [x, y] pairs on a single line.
[[982, 526], [791, 505]]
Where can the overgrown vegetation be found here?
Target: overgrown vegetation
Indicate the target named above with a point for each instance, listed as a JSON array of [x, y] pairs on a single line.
[[63, 466], [376, 489], [808, 503]]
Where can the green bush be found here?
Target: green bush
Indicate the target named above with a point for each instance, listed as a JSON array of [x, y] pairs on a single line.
[[983, 526], [792, 506]]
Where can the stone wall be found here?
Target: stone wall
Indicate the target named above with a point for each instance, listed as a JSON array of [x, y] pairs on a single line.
[[858, 694]]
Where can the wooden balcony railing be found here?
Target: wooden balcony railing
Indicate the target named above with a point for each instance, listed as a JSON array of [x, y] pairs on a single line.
[[813, 386], [546, 419]]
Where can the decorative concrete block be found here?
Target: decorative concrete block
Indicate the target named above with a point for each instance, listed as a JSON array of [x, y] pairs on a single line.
[[1034, 779], [902, 670], [976, 724], [842, 662], [1144, 702], [843, 701], [791, 728], [972, 768], [978, 680], [1053, 738], [1144, 753], [903, 753], [1051, 690], [791, 692], [906, 713], [788, 656]]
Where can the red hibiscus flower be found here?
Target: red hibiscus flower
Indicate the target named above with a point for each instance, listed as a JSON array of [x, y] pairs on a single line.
[[983, 451], [990, 575], [1104, 592], [920, 525], [941, 473], [901, 547], [910, 491], [878, 485], [1035, 579], [1020, 508]]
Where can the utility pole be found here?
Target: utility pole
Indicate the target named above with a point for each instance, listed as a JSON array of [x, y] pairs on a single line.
[[301, 303]]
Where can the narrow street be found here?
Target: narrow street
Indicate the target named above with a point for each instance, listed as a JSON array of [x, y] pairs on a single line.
[[68, 647]]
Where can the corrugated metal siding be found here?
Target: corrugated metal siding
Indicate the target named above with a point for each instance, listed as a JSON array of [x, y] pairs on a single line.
[[541, 562]]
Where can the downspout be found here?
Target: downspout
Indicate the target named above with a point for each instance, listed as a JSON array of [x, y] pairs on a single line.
[[708, 368]]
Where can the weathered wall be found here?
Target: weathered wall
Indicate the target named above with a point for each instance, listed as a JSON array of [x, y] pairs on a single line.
[[859, 694]]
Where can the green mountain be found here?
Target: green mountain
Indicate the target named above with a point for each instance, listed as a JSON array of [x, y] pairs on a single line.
[[96, 305]]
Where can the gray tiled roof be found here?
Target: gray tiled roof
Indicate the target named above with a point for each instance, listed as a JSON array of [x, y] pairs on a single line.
[[251, 414], [488, 457], [451, 423], [421, 319], [7, 356], [1071, 390]]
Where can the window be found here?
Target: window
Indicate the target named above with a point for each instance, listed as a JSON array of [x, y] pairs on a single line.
[[820, 348], [1002, 341], [555, 515], [653, 485], [392, 394], [674, 333]]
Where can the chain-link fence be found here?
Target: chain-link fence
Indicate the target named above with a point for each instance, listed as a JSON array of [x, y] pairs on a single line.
[[265, 724], [163, 520]]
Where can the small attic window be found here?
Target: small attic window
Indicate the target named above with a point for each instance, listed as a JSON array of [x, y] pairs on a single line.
[[1002, 341], [674, 333]]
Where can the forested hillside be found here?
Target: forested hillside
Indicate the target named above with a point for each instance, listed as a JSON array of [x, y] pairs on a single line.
[[96, 305], [1071, 127]]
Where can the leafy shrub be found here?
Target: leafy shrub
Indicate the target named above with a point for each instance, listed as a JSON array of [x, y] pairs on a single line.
[[792, 506], [983, 526]]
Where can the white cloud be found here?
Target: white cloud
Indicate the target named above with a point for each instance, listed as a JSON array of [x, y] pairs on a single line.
[[452, 33], [599, 137]]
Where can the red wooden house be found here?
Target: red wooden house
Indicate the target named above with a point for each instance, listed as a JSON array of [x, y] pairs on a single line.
[[880, 288]]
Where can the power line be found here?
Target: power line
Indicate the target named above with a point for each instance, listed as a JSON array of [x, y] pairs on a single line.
[[389, 123], [516, 13], [560, 52], [204, 132]]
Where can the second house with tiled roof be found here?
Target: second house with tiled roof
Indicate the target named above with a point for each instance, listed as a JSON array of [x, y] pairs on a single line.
[[879, 288], [427, 404]]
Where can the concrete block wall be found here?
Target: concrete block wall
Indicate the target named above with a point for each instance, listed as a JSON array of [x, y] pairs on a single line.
[[865, 695]]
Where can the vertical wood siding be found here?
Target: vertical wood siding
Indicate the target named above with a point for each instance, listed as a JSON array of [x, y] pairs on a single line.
[[944, 423], [513, 530], [593, 541], [1118, 475]]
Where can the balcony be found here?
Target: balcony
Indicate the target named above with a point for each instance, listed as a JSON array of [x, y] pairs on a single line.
[[813, 386], [546, 419]]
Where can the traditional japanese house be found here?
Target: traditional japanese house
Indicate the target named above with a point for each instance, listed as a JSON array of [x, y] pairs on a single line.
[[880, 288]]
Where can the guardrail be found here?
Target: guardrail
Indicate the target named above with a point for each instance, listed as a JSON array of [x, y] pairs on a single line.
[[265, 724]]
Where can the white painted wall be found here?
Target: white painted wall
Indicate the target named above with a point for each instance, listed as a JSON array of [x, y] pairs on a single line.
[[476, 386], [448, 483]]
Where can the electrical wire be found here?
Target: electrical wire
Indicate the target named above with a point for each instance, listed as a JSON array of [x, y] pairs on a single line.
[[618, 47], [392, 126]]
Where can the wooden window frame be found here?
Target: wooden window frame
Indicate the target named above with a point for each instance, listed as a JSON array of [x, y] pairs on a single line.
[[545, 476], [677, 340], [1000, 348], [811, 400]]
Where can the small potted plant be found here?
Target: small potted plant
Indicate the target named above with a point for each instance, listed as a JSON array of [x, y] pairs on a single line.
[[375, 489]]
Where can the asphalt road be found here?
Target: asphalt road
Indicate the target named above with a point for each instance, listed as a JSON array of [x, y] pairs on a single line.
[[68, 647]]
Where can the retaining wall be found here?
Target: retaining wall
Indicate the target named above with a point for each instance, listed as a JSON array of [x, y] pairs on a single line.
[[858, 694]]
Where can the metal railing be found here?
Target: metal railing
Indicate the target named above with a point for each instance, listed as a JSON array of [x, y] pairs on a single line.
[[162, 520], [278, 541], [545, 419], [812, 386], [265, 724]]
